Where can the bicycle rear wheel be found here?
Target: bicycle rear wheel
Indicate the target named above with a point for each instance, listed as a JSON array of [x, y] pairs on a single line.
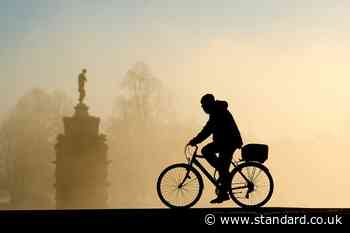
[[180, 186], [257, 190]]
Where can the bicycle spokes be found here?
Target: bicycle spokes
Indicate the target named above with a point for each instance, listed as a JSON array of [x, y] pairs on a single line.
[[179, 186], [251, 185]]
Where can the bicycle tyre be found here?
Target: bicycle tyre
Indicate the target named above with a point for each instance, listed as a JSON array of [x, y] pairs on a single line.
[[235, 174], [167, 173]]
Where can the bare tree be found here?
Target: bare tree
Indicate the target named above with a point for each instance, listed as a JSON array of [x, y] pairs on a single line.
[[142, 131], [142, 96]]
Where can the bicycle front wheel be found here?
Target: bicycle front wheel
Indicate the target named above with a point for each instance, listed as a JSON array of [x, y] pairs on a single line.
[[251, 185], [180, 186]]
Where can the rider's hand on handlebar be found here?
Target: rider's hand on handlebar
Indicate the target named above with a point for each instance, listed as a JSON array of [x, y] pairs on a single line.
[[192, 143]]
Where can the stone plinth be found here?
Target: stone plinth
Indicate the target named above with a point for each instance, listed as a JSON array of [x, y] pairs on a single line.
[[81, 163]]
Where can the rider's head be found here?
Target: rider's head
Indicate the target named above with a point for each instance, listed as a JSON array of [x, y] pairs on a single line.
[[208, 101], [84, 71]]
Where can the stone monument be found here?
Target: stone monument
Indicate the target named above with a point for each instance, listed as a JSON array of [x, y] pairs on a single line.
[[81, 160]]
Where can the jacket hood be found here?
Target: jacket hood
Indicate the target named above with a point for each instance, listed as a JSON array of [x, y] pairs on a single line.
[[221, 105]]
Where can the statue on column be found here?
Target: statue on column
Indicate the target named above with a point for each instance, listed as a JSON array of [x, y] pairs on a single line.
[[80, 144], [82, 80]]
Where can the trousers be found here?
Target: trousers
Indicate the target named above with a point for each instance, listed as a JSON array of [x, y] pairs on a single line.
[[221, 162]]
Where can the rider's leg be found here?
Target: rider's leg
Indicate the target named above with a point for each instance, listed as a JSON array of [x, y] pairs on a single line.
[[222, 162], [224, 173], [208, 152], [224, 170], [223, 177]]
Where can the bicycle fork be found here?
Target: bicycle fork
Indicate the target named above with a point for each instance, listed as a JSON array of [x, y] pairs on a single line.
[[184, 179]]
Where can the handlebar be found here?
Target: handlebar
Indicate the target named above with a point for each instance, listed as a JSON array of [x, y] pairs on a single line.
[[195, 146], [189, 157]]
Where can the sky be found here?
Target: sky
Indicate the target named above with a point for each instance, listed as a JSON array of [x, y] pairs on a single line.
[[45, 44], [280, 62]]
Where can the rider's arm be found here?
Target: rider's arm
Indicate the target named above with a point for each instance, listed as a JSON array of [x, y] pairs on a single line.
[[204, 133]]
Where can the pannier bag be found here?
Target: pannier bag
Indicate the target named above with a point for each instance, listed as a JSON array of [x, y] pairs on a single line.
[[255, 152]]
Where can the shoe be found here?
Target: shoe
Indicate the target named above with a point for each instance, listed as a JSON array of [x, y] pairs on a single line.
[[220, 198]]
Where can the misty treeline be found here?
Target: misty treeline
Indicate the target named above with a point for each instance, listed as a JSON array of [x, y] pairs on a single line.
[[27, 135], [143, 134]]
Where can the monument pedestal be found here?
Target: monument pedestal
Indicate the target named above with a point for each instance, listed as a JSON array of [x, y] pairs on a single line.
[[81, 163]]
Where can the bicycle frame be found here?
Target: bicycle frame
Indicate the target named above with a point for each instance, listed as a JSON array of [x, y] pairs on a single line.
[[194, 161], [204, 171], [194, 169]]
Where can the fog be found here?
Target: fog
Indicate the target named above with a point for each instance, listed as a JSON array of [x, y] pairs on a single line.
[[286, 87], [294, 100]]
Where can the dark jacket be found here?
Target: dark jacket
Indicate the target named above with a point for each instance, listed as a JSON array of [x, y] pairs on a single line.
[[223, 127]]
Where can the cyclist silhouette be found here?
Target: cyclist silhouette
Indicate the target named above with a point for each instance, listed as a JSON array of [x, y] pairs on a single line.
[[226, 139]]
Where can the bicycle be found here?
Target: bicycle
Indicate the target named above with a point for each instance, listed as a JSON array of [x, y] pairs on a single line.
[[181, 185]]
